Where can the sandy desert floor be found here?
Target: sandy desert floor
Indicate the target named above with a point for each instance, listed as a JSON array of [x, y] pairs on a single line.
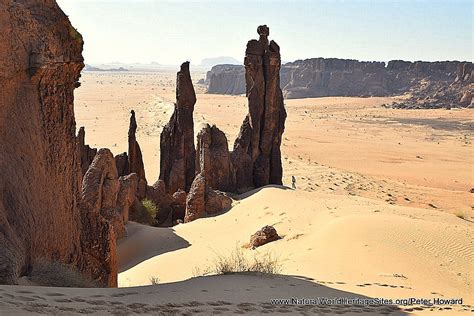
[[382, 208]]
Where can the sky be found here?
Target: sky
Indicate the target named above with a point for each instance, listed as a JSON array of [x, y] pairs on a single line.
[[170, 32]]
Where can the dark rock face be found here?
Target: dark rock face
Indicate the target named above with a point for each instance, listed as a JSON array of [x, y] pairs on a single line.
[[40, 165], [177, 152], [121, 162], [263, 236], [431, 84], [135, 160], [86, 153], [256, 157], [213, 159]]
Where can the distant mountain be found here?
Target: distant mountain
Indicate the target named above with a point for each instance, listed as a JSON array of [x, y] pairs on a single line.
[[92, 68], [210, 62]]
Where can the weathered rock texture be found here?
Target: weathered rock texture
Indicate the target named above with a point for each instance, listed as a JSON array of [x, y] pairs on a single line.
[[177, 152], [86, 153], [256, 158], [431, 84], [263, 236], [135, 160], [202, 200], [98, 202], [40, 167], [213, 159]]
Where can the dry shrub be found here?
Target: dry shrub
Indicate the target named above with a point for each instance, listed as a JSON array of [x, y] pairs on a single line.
[[237, 261]]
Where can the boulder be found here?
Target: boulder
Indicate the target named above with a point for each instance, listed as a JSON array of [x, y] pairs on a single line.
[[196, 199], [263, 236], [177, 152], [217, 201], [202, 200]]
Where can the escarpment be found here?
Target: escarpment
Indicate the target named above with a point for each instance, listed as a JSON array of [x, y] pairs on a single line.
[[429, 84], [40, 165]]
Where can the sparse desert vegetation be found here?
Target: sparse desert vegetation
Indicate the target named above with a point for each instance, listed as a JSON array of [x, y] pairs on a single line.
[[238, 261], [145, 212]]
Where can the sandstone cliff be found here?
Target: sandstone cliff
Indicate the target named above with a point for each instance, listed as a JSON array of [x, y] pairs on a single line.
[[40, 166], [430, 84]]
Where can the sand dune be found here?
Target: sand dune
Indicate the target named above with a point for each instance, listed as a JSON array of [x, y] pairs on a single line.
[[247, 294], [349, 243]]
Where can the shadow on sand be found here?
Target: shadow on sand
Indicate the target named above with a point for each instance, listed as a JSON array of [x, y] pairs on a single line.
[[252, 192], [144, 242]]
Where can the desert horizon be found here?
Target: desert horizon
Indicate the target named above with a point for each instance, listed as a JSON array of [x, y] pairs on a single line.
[[259, 183]]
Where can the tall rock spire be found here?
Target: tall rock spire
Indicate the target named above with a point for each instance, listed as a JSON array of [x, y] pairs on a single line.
[[135, 160], [257, 157], [177, 151]]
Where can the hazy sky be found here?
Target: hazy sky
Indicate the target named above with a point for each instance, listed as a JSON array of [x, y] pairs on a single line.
[[170, 32]]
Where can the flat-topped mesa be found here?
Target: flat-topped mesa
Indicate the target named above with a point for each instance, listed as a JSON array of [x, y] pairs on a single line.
[[177, 151], [135, 160], [256, 157]]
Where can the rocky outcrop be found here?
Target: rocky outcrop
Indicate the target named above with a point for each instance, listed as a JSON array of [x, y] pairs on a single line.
[[202, 200], [40, 166], [256, 158], [135, 160], [179, 206], [226, 79], [263, 236], [177, 152], [196, 200], [213, 159], [98, 202], [163, 200], [86, 153], [430, 84]]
